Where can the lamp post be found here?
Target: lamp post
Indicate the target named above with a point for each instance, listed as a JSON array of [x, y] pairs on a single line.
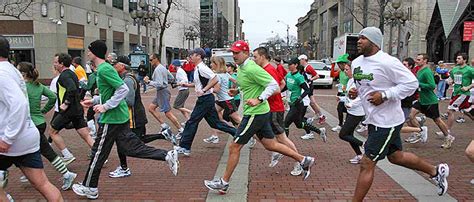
[[397, 17], [143, 17], [287, 38], [314, 40]]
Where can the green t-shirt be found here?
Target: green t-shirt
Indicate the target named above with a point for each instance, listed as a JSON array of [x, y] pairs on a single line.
[[107, 81], [461, 77], [293, 83], [234, 76], [427, 85], [253, 80], [35, 92]]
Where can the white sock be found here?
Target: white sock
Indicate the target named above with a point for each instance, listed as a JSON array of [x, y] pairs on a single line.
[[224, 182], [66, 153]]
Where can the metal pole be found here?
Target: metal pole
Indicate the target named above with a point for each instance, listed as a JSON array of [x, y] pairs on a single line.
[[147, 39], [398, 39]]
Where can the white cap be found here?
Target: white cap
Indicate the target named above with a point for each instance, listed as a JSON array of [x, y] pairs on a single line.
[[303, 57]]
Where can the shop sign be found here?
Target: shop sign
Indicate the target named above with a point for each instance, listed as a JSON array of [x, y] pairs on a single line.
[[468, 30], [75, 43], [20, 42]]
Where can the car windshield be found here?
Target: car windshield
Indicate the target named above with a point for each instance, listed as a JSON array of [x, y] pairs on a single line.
[[227, 58], [318, 66]]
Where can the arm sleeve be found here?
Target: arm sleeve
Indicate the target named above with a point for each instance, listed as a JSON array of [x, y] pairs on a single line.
[[406, 82], [305, 88], [51, 99], [16, 109], [427, 81], [130, 98], [119, 95]]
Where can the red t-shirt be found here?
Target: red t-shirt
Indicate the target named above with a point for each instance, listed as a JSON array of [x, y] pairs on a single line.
[[281, 70], [171, 68], [310, 70], [275, 101], [188, 66]]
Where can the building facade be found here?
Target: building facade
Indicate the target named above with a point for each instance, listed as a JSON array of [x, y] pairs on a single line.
[[50, 27], [220, 22], [328, 19]]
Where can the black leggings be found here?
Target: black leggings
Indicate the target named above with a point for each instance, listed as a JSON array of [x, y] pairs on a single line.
[[141, 133], [90, 114], [45, 147], [341, 109], [347, 132], [296, 115]]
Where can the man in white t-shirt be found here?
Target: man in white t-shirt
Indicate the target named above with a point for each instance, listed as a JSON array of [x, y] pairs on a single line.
[[183, 94], [382, 82], [19, 138]]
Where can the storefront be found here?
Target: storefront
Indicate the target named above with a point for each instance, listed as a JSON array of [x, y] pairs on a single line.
[[21, 48]]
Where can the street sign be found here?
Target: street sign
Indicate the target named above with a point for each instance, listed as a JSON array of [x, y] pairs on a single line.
[[468, 30]]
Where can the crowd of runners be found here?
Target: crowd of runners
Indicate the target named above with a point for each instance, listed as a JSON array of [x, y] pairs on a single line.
[[254, 99]]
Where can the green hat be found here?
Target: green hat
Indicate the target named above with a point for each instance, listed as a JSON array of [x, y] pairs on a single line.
[[343, 58]]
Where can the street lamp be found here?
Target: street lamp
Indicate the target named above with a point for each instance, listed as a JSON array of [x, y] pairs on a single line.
[[395, 18], [191, 35], [143, 17], [287, 38]]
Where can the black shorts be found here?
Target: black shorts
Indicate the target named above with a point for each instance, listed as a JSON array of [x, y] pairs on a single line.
[[254, 124], [382, 142], [32, 160], [278, 123], [229, 108], [431, 111], [61, 121]]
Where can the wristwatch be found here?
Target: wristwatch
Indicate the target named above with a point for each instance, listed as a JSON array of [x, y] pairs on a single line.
[[260, 99], [384, 96]]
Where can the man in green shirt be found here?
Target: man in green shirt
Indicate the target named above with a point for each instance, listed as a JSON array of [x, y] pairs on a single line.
[[427, 102], [256, 86], [461, 77], [114, 125]]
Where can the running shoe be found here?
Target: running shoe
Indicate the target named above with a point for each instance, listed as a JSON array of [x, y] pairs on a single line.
[[440, 135], [336, 129], [275, 159], [68, 181], [168, 134], [310, 120], [460, 120], [297, 169], [308, 136], [323, 135], [173, 162], [182, 150], [24, 179], [68, 160], [424, 134], [10, 198], [120, 172], [472, 181], [213, 139], [178, 136], [356, 159], [361, 129], [412, 137], [322, 119], [252, 142], [444, 116], [217, 185], [421, 120], [306, 166], [448, 141], [442, 172], [88, 192]]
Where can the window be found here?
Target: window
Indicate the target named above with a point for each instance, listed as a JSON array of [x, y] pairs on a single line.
[[117, 4], [348, 26], [132, 5], [102, 1]]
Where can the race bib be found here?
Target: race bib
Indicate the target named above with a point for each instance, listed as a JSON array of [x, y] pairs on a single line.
[[458, 79]]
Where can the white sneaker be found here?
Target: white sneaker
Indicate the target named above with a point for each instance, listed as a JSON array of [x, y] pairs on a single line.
[[173, 162], [440, 179], [460, 120], [297, 169], [252, 142], [68, 181], [308, 136], [310, 120], [10, 198], [440, 135], [361, 129], [68, 160], [82, 190], [448, 141], [323, 135], [412, 137], [120, 172], [336, 129], [415, 139], [472, 181], [424, 134], [421, 119], [213, 139], [275, 159], [356, 159]]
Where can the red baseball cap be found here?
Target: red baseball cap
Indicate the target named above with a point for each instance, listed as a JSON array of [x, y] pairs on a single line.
[[239, 46]]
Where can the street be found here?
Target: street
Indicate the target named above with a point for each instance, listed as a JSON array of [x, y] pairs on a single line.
[[332, 178]]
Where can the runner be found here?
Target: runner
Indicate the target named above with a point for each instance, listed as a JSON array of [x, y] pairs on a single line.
[[35, 91], [277, 109], [161, 76], [341, 62], [204, 81], [183, 92], [70, 110], [382, 81], [257, 86], [114, 125], [19, 139], [310, 75], [427, 102]]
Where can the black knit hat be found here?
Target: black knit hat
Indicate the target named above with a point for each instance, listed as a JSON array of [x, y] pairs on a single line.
[[294, 61], [98, 48]]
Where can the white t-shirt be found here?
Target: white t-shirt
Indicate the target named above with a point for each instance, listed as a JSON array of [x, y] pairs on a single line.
[[384, 73], [53, 88], [181, 77], [203, 70], [16, 127], [354, 106]]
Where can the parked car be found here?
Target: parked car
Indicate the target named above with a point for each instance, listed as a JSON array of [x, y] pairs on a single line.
[[324, 72]]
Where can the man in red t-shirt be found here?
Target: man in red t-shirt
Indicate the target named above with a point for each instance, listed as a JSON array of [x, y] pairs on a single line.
[[280, 69], [277, 108], [310, 76], [188, 67]]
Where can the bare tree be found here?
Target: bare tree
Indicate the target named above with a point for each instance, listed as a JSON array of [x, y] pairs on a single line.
[[15, 8], [163, 20], [371, 10]]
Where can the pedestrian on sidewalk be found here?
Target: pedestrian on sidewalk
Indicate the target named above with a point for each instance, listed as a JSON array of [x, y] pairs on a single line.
[[382, 81], [257, 86]]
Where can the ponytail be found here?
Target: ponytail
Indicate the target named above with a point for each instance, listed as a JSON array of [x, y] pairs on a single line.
[[30, 71]]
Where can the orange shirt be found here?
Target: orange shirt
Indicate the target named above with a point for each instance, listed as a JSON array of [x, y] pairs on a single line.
[[80, 73]]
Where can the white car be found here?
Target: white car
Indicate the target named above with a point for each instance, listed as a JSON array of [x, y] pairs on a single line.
[[324, 72]]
